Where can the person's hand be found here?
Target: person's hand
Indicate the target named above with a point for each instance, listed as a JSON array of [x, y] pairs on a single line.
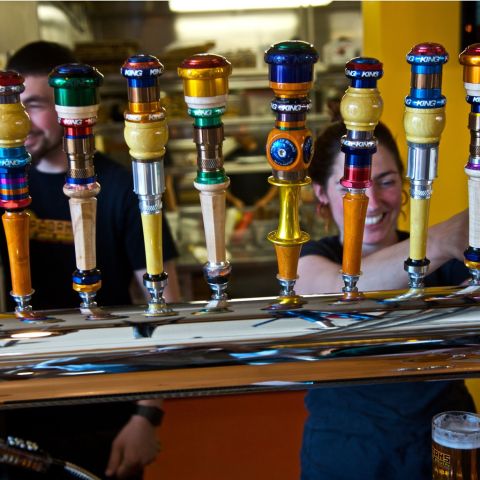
[[449, 239], [134, 447], [237, 203], [261, 203]]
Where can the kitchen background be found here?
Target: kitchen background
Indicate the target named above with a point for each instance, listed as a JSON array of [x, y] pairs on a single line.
[[104, 34]]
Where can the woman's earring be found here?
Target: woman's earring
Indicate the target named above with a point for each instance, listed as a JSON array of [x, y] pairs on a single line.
[[405, 198], [323, 211]]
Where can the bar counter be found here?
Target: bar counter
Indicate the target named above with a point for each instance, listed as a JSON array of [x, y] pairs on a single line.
[[70, 358]]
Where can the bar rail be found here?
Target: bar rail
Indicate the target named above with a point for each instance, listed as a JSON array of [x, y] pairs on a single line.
[[68, 358]]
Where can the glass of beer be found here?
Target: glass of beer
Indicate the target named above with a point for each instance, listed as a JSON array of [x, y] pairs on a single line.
[[455, 446]]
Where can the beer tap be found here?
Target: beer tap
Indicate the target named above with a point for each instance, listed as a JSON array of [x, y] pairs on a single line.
[[424, 121], [205, 85], [470, 59], [14, 195], [361, 108], [289, 152], [146, 134], [76, 102]]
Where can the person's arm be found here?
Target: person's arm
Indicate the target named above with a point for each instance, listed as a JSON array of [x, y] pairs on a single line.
[[383, 269], [267, 198], [235, 201], [136, 445]]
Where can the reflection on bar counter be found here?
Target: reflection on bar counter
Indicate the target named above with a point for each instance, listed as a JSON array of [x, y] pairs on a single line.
[[221, 344]]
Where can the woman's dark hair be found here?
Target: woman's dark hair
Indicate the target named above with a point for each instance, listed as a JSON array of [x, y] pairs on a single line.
[[327, 147]]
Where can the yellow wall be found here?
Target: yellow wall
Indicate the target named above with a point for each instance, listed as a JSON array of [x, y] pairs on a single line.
[[390, 30]]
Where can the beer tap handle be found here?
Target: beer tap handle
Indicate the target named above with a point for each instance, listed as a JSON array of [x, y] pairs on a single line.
[[289, 152], [470, 59], [146, 134], [424, 121], [76, 101], [361, 108], [14, 194], [205, 85]]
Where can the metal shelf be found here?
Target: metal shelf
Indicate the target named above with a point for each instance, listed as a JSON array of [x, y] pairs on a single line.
[[184, 125]]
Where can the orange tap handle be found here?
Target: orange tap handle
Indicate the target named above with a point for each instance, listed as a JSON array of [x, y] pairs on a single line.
[[355, 210], [287, 259], [16, 225]]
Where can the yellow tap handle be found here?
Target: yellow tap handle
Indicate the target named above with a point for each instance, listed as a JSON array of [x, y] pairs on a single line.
[[424, 121], [146, 142], [419, 209], [422, 126], [152, 233]]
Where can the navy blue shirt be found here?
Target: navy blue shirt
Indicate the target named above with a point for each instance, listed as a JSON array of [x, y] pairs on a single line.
[[377, 432]]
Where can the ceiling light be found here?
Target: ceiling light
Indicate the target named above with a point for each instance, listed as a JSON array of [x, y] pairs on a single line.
[[31, 334], [221, 5]]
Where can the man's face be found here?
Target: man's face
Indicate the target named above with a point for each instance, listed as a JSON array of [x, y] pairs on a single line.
[[46, 134]]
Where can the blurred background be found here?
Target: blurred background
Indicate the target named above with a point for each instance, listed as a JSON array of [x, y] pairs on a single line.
[[104, 34]]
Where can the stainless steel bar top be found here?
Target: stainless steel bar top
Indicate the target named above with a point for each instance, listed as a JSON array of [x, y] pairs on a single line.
[[68, 358]]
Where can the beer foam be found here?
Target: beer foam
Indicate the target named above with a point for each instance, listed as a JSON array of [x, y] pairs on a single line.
[[460, 430]]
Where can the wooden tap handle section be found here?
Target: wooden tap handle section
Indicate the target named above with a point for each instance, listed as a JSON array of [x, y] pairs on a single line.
[[152, 234], [355, 210], [424, 125], [419, 209], [16, 225], [146, 140], [84, 213], [14, 125], [212, 200], [361, 108], [287, 259]]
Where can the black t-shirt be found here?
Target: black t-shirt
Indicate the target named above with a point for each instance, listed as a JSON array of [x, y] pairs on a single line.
[[119, 238], [377, 432]]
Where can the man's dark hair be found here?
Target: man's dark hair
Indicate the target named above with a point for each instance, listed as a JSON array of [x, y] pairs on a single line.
[[40, 58]]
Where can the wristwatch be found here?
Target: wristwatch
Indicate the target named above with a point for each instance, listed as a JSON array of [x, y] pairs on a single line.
[[153, 414]]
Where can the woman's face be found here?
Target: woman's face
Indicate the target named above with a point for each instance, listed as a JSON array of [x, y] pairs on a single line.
[[385, 199]]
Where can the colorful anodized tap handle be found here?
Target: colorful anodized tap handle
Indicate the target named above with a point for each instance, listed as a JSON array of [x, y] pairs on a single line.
[[76, 102], [205, 84], [361, 108], [289, 152], [14, 194], [470, 59], [424, 121], [146, 134]]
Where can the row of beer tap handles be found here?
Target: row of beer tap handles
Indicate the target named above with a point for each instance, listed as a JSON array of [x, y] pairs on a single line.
[[289, 150]]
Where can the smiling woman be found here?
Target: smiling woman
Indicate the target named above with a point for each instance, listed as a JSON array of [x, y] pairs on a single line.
[[384, 247], [385, 197], [383, 430]]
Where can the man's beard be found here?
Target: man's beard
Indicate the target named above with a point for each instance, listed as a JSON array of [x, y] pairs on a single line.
[[42, 150]]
